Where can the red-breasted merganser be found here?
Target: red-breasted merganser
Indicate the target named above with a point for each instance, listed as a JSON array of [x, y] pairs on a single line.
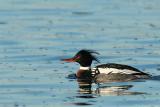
[[109, 72]]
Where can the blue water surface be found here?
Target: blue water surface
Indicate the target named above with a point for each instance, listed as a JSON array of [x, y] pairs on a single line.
[[36, 34]]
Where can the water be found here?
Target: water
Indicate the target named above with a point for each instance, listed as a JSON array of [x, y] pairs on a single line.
[[36, 34]]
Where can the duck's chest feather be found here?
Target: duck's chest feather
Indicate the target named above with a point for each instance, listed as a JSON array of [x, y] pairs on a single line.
[[84, 74]]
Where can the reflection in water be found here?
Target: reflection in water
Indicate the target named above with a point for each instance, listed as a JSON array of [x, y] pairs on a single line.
[[116, 90], [106, 90], [113, 90], [87, 92], [81, 104], [85, 87], [156, 78]]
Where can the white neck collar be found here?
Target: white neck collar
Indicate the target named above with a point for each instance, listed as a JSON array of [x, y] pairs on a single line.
[[84, 68]]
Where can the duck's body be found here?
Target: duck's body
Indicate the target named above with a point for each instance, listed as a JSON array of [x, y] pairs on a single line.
[[117, 72], [110, 72]]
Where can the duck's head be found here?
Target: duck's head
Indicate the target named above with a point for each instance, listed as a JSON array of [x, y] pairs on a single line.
[[83, 57]]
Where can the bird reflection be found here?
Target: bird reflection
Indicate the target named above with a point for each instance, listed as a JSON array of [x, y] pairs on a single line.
[[116, 90], [86, 90], [85, 87]]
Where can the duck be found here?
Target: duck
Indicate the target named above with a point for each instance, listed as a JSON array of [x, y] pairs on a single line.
[[109, 72]]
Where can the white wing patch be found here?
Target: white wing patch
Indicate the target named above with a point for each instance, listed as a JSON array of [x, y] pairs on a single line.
[[114, 70], [94, 71]]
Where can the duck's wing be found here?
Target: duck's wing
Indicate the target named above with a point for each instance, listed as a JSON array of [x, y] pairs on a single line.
[[117, 68]]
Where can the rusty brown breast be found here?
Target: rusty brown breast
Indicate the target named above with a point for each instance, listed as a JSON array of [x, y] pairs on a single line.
[[84, 74]]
